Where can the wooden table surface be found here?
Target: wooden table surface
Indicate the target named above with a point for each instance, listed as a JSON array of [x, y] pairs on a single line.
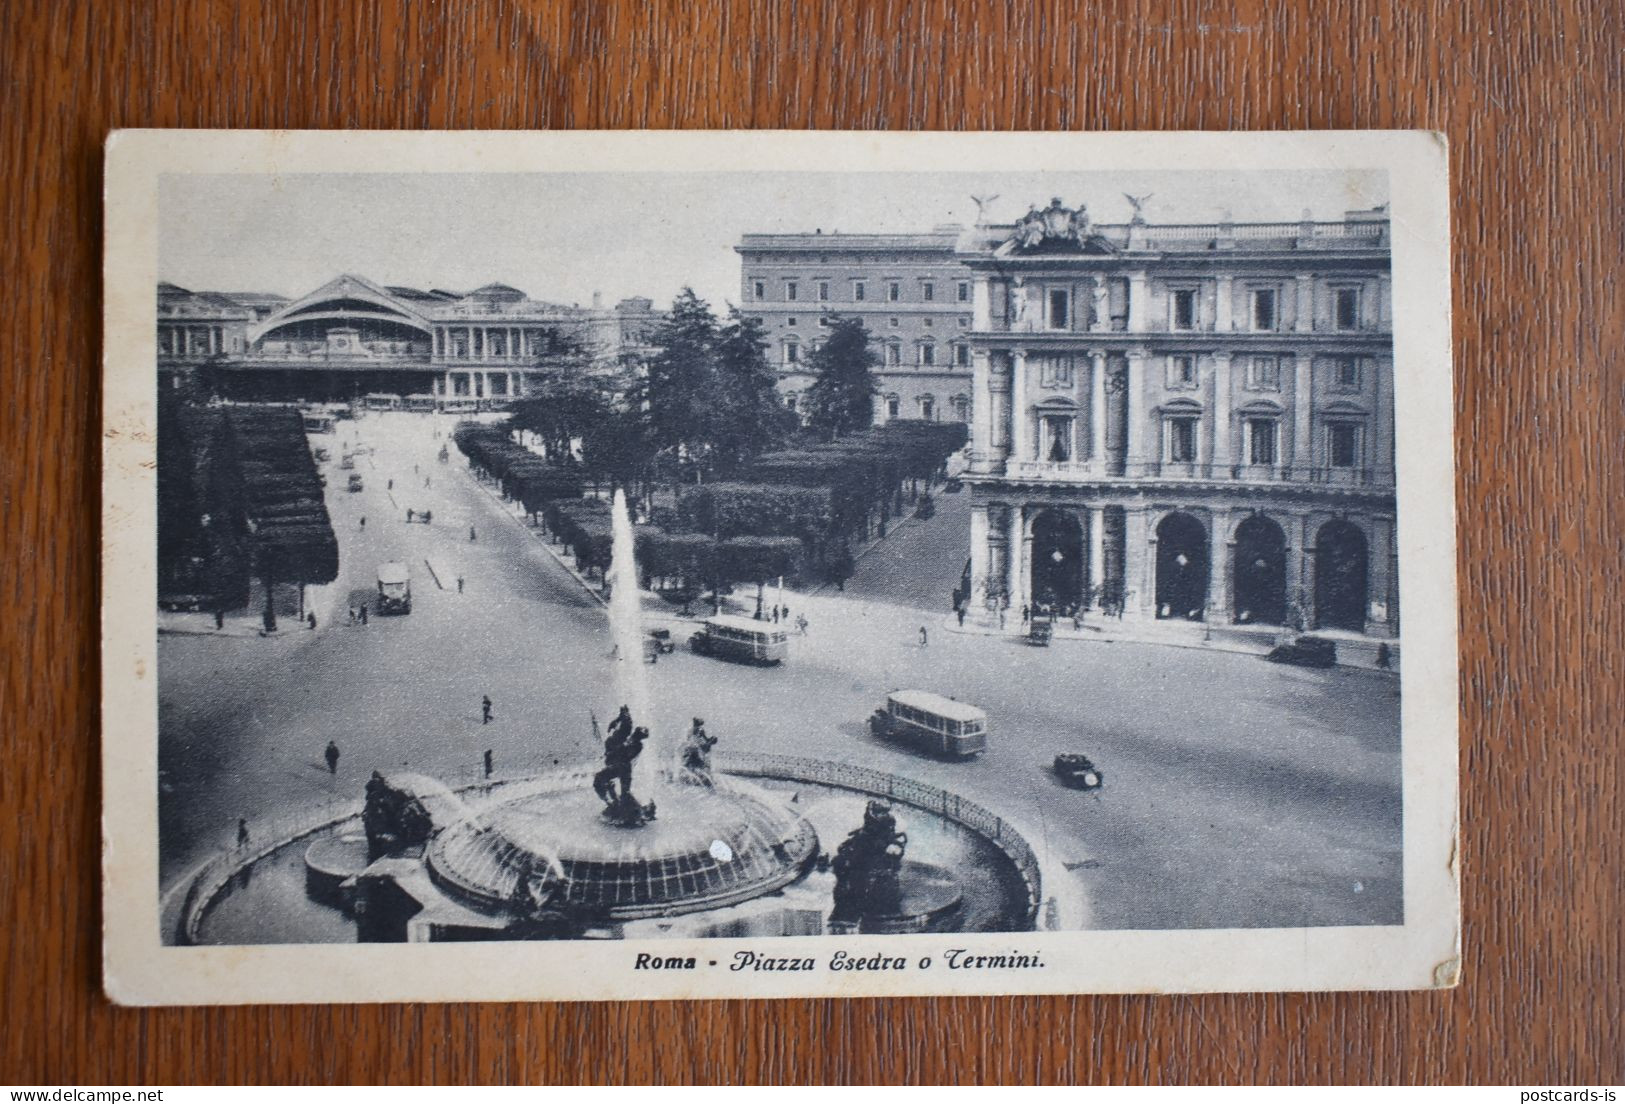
[[1531, 98]]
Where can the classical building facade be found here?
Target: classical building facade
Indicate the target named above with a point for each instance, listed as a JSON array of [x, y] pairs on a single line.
[[912, 291], [352, 337], [1184, 421]]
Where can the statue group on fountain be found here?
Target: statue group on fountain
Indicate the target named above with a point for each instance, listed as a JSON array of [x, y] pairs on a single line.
[[866, 866], [697, 752], [613, 784]]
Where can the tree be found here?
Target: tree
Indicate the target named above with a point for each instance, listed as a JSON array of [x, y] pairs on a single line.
[[841, 398], [562, 405], [747, 416], [676, 395]]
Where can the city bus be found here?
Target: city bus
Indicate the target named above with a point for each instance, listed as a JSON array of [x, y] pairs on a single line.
[[379, 400], [394, 588], [420, 404], [318, 421], [460, 405], [932, 723], [741, 639]]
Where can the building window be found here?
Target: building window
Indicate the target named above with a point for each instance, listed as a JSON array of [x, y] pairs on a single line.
[[961, 355], [1264, 313], [926, 322], [823, 291], [790, 403], [1055, 441], [1346, 373], [1261, 441], [858, 291], [892, 321], [1183, 309], [1264, 373], [964, 291], [1343, 444], [1180, 433], [792, 352], [928, 355], [761, 289], [928, 291], [823, 320], [894, 354], [499, 384], [961, 408], [964, 321], [790, 291], [1182, 372], [1058, 302], [791, 321], [928, 408], [1346, 308], [459, 384], [893, 405], [894, 291]]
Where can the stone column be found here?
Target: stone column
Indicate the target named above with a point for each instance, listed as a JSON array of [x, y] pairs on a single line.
[[1306, 570], [1221, 415], [1306, 303], [981, 439], [1139, 564], [1019, 445], [1224, 296], [1134, 398], [1379, 607], [1014, 547], [1100, 320], [1381, 460], [1384, 311], [1138, 316], [1302, 413], [980, 558], [1097, 406], [1221, 553], [1097, 550]]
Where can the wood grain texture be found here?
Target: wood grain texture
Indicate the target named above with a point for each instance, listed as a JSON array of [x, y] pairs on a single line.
[[1531, 98]]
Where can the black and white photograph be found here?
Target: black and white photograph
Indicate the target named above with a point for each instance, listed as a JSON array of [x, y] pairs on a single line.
[[707, 565]]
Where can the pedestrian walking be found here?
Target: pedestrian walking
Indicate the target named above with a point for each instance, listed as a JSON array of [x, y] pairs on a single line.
[[801, 623], [472, 536], [242, 832], [363, 521], [961, 614], [363, 614], [414, 469], [426, 481], [922, 636], [352, 615], [459, 584], [488, 762], [310, 619], [1001, 618], [409, 513], [485, 709], [1026, 614], [219, 619], [332, 756]]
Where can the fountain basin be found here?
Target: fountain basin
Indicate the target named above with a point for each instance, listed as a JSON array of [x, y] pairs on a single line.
[[708, 847]]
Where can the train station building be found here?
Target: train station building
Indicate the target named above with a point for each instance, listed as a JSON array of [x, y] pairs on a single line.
[[1184, 422], [352, 337]]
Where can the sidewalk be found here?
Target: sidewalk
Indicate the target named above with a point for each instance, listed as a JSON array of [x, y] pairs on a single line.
[[1353, 649]]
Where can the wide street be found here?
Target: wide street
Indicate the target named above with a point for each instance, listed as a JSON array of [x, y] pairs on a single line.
[[1238, 793]]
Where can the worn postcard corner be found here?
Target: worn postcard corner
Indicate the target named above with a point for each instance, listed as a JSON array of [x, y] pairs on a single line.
[[589, 566]]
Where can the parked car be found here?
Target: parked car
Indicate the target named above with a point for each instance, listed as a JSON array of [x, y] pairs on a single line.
[[1306, 651], [662, 641], [355, 482], [1038, 635], [1079, 771], [322, 455]]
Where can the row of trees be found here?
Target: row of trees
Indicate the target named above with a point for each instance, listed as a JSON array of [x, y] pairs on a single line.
[[705, 403], [238, 497]]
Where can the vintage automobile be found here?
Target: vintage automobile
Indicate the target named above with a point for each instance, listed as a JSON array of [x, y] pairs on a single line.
[[347, 462], [1306, 651], [394, 588], [1079, 771], [932, 723], [355, 483], [321, 454], [741, 639], [662, 641], [1039, 632]]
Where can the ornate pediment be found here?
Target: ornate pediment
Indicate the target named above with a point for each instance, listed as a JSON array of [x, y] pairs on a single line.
[[1056, 229]]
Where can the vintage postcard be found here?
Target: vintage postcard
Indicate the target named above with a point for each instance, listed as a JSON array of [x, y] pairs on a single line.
[[578, 566]]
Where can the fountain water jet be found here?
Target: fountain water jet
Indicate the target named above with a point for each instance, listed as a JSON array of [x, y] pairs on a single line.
[[626, 630]]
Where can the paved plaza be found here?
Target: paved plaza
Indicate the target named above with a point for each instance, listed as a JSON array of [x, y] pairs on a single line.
[[1238, 793]]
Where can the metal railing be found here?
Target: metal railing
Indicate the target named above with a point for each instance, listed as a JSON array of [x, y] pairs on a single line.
[[1097, 470]]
